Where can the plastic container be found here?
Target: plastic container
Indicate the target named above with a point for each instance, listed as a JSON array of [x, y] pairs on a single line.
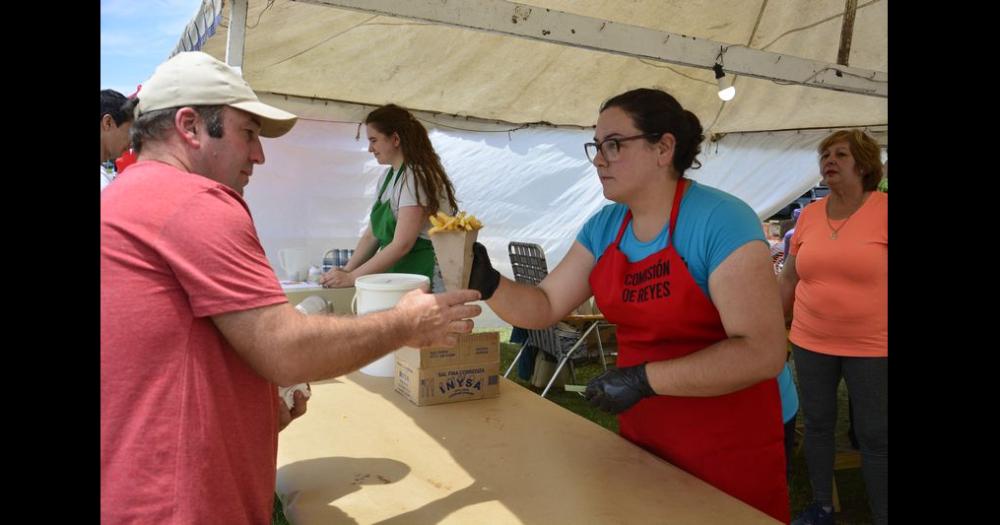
[[381, 291]]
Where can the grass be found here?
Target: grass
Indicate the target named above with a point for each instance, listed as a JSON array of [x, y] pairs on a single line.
[[850, 485], [278, 516]]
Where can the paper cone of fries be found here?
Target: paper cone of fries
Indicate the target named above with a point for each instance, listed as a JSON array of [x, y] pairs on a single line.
[[453, 250]]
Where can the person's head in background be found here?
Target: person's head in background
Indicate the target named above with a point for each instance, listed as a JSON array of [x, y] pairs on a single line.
[[128, 157], [116, 120], [643, 137], [848, 158], [196, 113], [396, 137]]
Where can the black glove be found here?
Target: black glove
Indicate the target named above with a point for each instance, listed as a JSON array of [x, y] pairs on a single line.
[[483, 277], [616, 390]]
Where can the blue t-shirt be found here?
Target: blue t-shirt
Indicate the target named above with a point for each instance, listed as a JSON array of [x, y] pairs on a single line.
[[789, 396], [711, 225]]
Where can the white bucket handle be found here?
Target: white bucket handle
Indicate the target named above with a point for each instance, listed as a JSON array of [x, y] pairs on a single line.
[[281, 260]]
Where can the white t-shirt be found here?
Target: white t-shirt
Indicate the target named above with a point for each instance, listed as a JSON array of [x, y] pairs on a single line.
[[106, 177], [404, 193]]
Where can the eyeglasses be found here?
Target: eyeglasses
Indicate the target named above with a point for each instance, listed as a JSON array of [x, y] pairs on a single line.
[[610, 147]]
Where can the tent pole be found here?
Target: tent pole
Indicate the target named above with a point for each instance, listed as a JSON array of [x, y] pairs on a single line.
[[236, 37], [847, 32]]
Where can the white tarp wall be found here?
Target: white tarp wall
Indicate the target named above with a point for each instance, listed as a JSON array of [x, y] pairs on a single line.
[[530, 185]]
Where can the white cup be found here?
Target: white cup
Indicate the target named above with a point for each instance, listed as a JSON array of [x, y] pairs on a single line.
[[313, 304]]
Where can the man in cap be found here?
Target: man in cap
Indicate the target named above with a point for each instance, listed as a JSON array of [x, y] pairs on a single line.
[[116, 119], [195, 330]]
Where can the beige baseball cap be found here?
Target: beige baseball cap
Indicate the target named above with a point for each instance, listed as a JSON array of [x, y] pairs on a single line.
[[193, 78]]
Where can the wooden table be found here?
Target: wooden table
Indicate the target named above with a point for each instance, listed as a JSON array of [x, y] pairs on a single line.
[[364, 454]]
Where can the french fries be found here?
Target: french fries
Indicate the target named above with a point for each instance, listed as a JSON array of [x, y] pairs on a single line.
[[442, 222]]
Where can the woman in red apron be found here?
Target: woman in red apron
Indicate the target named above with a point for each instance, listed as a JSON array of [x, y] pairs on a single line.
[[694, 382], [396, 239]]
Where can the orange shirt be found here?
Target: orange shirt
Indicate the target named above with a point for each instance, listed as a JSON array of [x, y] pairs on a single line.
[[841, 300]]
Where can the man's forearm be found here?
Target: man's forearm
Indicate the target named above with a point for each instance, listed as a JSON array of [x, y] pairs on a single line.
[[287, 347], [316, 350]]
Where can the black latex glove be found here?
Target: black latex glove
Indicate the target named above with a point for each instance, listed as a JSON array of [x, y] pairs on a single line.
[[483, 276], [616, 390]]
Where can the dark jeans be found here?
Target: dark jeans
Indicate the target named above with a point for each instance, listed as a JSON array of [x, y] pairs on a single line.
[[526, 363], [867, 380], [789, 448]]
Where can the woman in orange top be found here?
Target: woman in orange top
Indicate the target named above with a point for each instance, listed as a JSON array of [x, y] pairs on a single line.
[[835, 282]]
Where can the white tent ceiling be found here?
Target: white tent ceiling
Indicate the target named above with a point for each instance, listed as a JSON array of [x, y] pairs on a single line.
[[332, 53], [331, 66]]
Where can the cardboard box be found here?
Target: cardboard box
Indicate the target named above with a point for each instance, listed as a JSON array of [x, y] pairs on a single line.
[[483, 347], [435, 375], [447, 384]]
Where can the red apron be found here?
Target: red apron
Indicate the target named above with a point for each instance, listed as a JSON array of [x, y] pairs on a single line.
[[734, 442]]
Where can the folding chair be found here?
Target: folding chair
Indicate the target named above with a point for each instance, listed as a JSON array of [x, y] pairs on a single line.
[[529, 266], [777, 256]]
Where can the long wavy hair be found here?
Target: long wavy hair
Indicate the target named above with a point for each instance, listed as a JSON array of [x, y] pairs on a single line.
[[418, 154]]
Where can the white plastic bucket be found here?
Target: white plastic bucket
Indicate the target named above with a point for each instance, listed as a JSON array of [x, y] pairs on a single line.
[[381, 291]]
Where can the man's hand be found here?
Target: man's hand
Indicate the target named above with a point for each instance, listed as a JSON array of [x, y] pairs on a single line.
[[616, 390], [285, 416], [438, 318], [483, 276], [337, 278]]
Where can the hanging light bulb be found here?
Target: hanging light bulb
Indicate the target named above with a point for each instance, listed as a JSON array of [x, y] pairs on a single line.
[[726, 89]]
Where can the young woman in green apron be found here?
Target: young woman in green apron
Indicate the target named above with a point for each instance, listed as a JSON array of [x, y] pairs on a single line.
[[414, 188]]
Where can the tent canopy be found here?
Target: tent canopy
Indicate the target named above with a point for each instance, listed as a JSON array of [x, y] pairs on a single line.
[[333, 53], [473, 88]]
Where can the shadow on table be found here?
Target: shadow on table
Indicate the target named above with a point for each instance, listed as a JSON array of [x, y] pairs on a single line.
[[469, 431], [324, 480]]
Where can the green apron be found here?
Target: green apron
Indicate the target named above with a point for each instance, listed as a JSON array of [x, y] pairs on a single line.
[[420, 259]]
